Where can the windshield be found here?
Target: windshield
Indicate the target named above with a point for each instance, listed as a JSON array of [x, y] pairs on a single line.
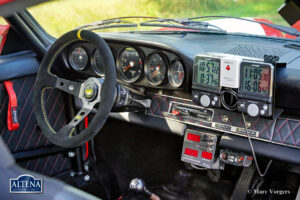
[[60, 16]]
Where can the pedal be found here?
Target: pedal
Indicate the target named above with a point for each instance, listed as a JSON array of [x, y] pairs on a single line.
[[242, 186]]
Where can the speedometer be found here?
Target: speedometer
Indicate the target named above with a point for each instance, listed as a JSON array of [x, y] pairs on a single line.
[[155, 69], [176, 74], [130, 64], [78, 58]]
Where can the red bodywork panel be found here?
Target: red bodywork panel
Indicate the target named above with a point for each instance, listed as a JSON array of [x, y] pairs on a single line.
[[3, 33], [5, 1]]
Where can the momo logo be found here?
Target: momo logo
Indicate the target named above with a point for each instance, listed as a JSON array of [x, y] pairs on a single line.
[[25, 184]]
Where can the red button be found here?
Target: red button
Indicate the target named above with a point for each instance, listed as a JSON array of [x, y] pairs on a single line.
[[175, 112], [193, 137], [228, 67], [207, 155], [191, 152]]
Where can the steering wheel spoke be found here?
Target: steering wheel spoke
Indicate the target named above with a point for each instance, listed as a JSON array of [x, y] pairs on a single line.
[[68, 86], [83, 112]]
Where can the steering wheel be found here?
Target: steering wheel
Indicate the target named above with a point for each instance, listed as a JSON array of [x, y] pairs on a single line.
[[90, 92]]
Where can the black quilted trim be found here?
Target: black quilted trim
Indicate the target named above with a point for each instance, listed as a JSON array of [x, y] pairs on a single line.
[[29, 136], [287, 131]]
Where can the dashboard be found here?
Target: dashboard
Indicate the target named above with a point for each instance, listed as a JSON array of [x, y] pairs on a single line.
[[195, 83]]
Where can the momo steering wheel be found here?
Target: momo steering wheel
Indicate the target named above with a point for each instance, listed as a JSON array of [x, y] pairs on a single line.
[[91, 92]]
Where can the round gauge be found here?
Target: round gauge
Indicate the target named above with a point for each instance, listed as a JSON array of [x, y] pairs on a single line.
[[130, 64], [155, 69], [97, 63], [176, 74], [78, 58]]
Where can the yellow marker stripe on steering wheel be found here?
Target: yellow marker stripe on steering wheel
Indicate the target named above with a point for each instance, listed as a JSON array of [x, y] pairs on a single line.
[[78, 34]]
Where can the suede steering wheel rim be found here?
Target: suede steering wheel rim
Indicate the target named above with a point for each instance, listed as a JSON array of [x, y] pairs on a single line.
[[103, 91]]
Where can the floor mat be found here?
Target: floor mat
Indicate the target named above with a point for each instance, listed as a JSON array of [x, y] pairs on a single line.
[[129, 151]]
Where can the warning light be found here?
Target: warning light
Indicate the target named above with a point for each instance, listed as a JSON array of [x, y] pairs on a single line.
[[228, 67], [207, 155], [191, 152], [193, 137]]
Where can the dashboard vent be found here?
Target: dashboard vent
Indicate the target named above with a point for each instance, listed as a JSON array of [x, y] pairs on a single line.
[[256, 51]]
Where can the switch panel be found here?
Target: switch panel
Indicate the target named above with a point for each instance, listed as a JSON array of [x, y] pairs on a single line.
[[199, 148], [236, 159]]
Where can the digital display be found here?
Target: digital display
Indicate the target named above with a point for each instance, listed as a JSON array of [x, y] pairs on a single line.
[[207, 71], [255, 79]]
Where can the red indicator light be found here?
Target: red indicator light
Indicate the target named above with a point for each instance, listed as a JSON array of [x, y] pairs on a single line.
[[206, 155], [250, 158], [191, 152], [175, 112], [193, 137], [228, 67]]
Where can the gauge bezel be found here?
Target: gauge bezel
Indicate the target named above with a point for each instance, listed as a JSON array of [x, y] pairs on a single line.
[[147, 72], [170, 73], [69, 57], [119, 67], [94, 63]]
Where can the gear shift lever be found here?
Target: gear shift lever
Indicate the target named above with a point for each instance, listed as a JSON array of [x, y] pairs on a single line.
[[138, 185]]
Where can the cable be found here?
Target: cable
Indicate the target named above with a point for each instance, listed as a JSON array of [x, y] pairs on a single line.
[[253, 153], [197, 167]]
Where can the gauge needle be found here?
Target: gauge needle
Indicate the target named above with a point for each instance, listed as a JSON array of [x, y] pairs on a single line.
[[156, 70], [131, 64], [181, 75], [126, 68]]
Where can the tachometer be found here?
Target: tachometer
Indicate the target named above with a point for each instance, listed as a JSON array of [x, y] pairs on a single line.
[[130, 64], [97, 63], [78, 58], [176, 74], [155, 69]]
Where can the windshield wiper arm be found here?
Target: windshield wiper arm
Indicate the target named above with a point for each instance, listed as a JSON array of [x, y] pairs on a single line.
[[284, 29], [183, 23], [109, 23]]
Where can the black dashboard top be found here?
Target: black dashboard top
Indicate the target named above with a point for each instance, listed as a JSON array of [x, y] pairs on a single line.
[[188, 45]]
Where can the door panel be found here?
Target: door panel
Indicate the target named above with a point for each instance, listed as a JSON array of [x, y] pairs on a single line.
[[29, 136]]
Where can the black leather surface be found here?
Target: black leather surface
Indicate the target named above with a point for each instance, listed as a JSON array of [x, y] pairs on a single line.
[[18, 64], [28, 136], [287, 131]]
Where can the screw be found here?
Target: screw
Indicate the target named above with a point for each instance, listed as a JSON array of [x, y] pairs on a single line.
[[71, 154], [72, 173], [71, 87], [86, 167], [86, 177]]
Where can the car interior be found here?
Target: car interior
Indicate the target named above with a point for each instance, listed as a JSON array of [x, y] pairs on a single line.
[[148, 114]]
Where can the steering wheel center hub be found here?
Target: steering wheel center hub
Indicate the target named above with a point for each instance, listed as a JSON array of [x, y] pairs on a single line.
[[90, 91]]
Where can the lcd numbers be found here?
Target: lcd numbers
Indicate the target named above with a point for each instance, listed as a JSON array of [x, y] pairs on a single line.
[[208, 72], [256, 79]]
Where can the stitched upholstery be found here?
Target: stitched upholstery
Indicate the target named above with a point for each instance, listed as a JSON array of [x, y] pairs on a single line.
[[28, 136], [287, 131]]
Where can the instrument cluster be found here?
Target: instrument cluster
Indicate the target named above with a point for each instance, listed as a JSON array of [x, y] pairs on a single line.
[[139, 66]]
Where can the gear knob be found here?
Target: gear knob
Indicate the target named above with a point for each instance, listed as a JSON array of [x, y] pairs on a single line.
[[139, 186]]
